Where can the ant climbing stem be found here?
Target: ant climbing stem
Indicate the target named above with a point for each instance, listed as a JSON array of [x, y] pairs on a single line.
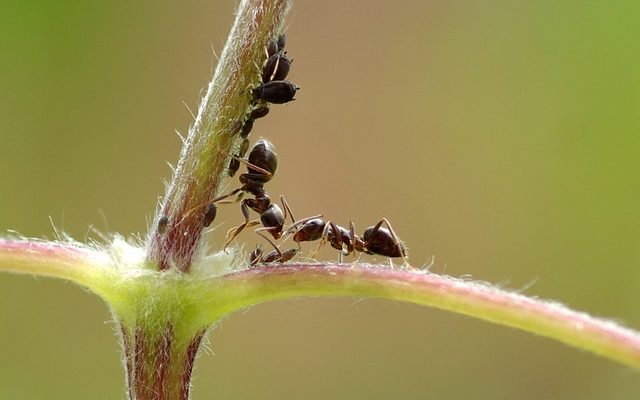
[[261, 165]]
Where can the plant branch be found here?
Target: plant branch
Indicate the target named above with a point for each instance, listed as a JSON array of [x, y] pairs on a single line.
[[204, 158], [70, 261], [602, 337]]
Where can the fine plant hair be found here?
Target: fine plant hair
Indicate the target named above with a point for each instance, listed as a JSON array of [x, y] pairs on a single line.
[[169, 288]]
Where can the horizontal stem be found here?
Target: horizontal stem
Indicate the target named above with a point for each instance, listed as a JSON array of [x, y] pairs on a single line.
[[69, 261], [474, 299]]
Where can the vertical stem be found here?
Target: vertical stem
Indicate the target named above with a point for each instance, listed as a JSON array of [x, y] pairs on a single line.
[[204, 158], [159, 362]]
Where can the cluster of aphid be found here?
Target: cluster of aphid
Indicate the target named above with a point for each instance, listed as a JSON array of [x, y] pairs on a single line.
[[262, 163]]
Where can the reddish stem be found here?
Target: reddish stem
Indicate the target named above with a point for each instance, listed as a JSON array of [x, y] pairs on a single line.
[[159, 366]]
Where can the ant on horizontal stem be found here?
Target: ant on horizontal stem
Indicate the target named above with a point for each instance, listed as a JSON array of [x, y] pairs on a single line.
[[374, 240]]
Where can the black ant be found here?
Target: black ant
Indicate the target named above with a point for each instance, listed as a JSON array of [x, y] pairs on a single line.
[[374, 240], [261, 165]]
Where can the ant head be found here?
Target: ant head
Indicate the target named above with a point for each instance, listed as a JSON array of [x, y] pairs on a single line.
[[263, 155]]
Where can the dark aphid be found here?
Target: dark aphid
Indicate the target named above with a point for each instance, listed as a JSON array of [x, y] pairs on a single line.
[[235, 127], [282, 40], [279, 256], [234, 163], [272, 48], [282, 69], [244, 146], [162, 224], [276, 68], [277, 92], [259, 112], [270, 67], [210, 214], [246, 128], [256, 256], [276, 255], [234, 166]]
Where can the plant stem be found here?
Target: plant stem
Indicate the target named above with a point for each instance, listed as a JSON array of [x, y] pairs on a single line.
[[72, 261], [479, 300], [159, 361], [204, 158], [146, 299]]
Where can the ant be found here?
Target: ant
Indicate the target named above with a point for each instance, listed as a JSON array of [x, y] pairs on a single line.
[[258, 256], [374, 240], [261, 166]]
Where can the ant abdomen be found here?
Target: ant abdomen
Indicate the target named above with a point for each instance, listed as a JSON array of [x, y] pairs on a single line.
[[263, 155], [381, 241]]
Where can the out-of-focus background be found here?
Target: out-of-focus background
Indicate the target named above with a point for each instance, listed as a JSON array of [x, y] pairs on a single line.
[[499, 137]]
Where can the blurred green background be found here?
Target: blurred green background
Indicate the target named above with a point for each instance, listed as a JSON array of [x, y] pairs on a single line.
[[500, 137]]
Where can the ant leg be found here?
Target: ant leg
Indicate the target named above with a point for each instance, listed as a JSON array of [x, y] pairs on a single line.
[[237, 199], [226, 196], [269, 240], [264, 228], [395, 238], [236, 231], [323, 238], [254, 167], [276, 256], [286, 208], [232, 231], [352, 236]]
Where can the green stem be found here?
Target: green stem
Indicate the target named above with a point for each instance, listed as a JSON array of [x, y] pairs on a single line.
[[198, 177], [71, 261], [479, 300]]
